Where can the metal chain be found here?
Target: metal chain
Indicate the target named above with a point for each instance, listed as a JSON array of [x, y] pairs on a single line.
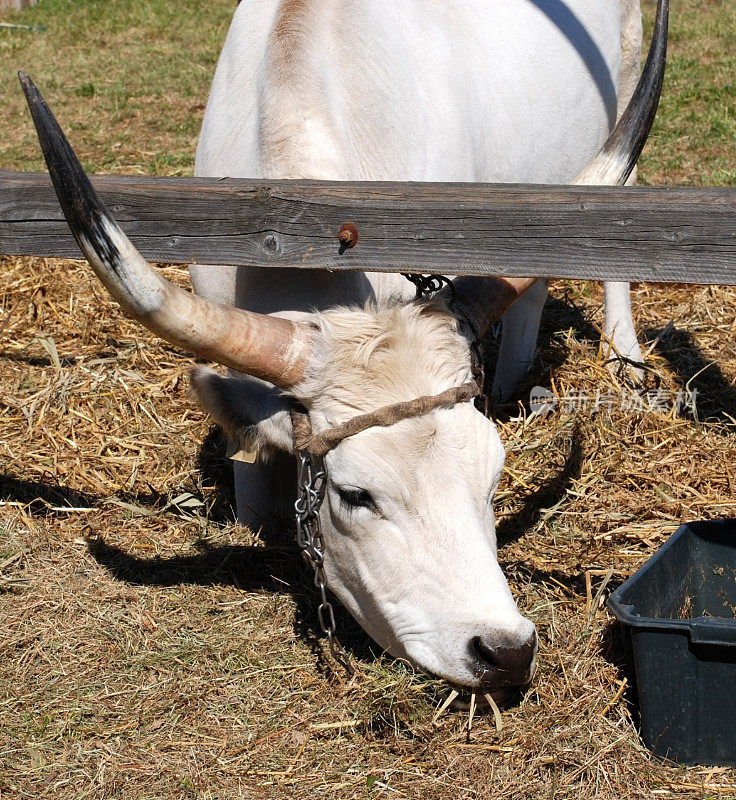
[[427, 285], [311, 485], [477, 366]]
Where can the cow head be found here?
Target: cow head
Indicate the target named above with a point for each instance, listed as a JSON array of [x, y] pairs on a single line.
[[408, 523], [407, 519]]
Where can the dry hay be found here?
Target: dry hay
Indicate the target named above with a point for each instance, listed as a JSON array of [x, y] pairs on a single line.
[[150, 648]]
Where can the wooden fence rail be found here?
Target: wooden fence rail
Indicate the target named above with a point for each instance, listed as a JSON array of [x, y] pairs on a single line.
[[683, 234]]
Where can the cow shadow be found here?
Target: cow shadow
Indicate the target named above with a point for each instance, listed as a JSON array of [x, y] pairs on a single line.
[[276, 566], [44, 499], [560, 314], [215, 476], [613, 650], [547, 495], [714, 394]]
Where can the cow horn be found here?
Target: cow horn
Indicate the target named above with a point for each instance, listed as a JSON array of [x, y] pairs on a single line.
[[266, 347], [614, 162], [483, 301]]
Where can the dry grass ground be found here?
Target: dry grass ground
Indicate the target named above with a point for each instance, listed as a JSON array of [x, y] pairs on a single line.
[[149, 648]]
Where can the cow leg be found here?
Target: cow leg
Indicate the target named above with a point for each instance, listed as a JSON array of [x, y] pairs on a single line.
[[518, 340], [252, 481], [618, 327], [214, 283], [252, 495], [620, 344]]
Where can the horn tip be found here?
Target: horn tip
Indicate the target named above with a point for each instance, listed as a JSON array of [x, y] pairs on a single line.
[[78, 199], [28, 86]]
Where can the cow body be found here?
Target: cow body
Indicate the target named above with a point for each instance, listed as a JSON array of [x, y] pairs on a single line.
[[423, 90], [426, 90], [441, 90], [458, 90], [462, 90]]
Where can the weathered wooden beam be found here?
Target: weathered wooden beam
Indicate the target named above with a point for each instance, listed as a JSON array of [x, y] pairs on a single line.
[[681, 234]]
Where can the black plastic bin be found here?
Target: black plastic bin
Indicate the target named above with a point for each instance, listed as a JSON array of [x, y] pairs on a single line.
[[679, 618]]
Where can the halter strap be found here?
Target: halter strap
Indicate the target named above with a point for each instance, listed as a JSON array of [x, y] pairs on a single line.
[[320, 444]]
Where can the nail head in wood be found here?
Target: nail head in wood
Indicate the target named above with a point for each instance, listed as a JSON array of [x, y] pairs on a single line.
[[348, 236]]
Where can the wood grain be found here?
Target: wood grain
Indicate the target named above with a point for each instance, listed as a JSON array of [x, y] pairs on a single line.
[[683, 235]]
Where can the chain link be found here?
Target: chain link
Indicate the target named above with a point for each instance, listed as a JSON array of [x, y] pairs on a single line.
[[478, 369], [311, 485], [427, 285]]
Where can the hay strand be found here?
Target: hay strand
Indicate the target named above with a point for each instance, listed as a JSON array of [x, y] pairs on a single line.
[[496, 712]]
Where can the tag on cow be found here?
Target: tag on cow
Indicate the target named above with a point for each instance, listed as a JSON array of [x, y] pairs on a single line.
[[234, 453]]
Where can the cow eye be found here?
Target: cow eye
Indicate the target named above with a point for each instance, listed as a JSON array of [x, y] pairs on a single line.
[[355, 498]]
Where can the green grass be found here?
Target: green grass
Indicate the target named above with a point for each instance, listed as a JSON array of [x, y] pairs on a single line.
[[128, 79], [694, 137]]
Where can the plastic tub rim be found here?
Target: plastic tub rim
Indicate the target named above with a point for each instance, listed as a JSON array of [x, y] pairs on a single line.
[[701, 630]]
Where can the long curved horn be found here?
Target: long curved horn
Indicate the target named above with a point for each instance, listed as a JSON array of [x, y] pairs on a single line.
[[614, 162], [483, 301], [270, 348]]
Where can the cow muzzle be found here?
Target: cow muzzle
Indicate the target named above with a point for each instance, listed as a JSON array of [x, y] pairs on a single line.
[[500, 666]]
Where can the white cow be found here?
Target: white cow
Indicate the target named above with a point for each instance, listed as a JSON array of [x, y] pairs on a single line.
[[460, 90], [438, 90]]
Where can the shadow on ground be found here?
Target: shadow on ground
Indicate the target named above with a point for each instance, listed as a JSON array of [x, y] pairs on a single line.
[[613, 650], [215, 473], [547, 495], [274, 566], [715, 395], [42, 499]]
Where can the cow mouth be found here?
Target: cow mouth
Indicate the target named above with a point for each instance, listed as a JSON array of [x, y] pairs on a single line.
[[503, 697]]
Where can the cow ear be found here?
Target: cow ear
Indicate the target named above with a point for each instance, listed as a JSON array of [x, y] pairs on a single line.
[[251, 412]]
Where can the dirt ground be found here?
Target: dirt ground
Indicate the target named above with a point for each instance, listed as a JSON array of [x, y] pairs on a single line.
[[151, 648]]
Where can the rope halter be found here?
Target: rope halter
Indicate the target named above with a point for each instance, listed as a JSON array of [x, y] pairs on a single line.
[[318, 445]]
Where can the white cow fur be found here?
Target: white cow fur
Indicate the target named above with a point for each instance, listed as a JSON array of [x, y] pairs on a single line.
[[430, 90], [455, 94]]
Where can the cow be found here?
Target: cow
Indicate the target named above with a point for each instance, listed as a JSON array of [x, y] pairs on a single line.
[[471, 90]]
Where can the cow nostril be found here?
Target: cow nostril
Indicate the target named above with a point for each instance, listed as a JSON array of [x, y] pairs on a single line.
[[508, 666], [484, 652]]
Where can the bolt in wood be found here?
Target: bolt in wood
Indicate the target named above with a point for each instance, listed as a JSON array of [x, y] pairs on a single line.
[[348, 236]]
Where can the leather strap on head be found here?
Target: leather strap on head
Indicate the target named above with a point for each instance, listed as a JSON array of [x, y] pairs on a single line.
[[320, 444]]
